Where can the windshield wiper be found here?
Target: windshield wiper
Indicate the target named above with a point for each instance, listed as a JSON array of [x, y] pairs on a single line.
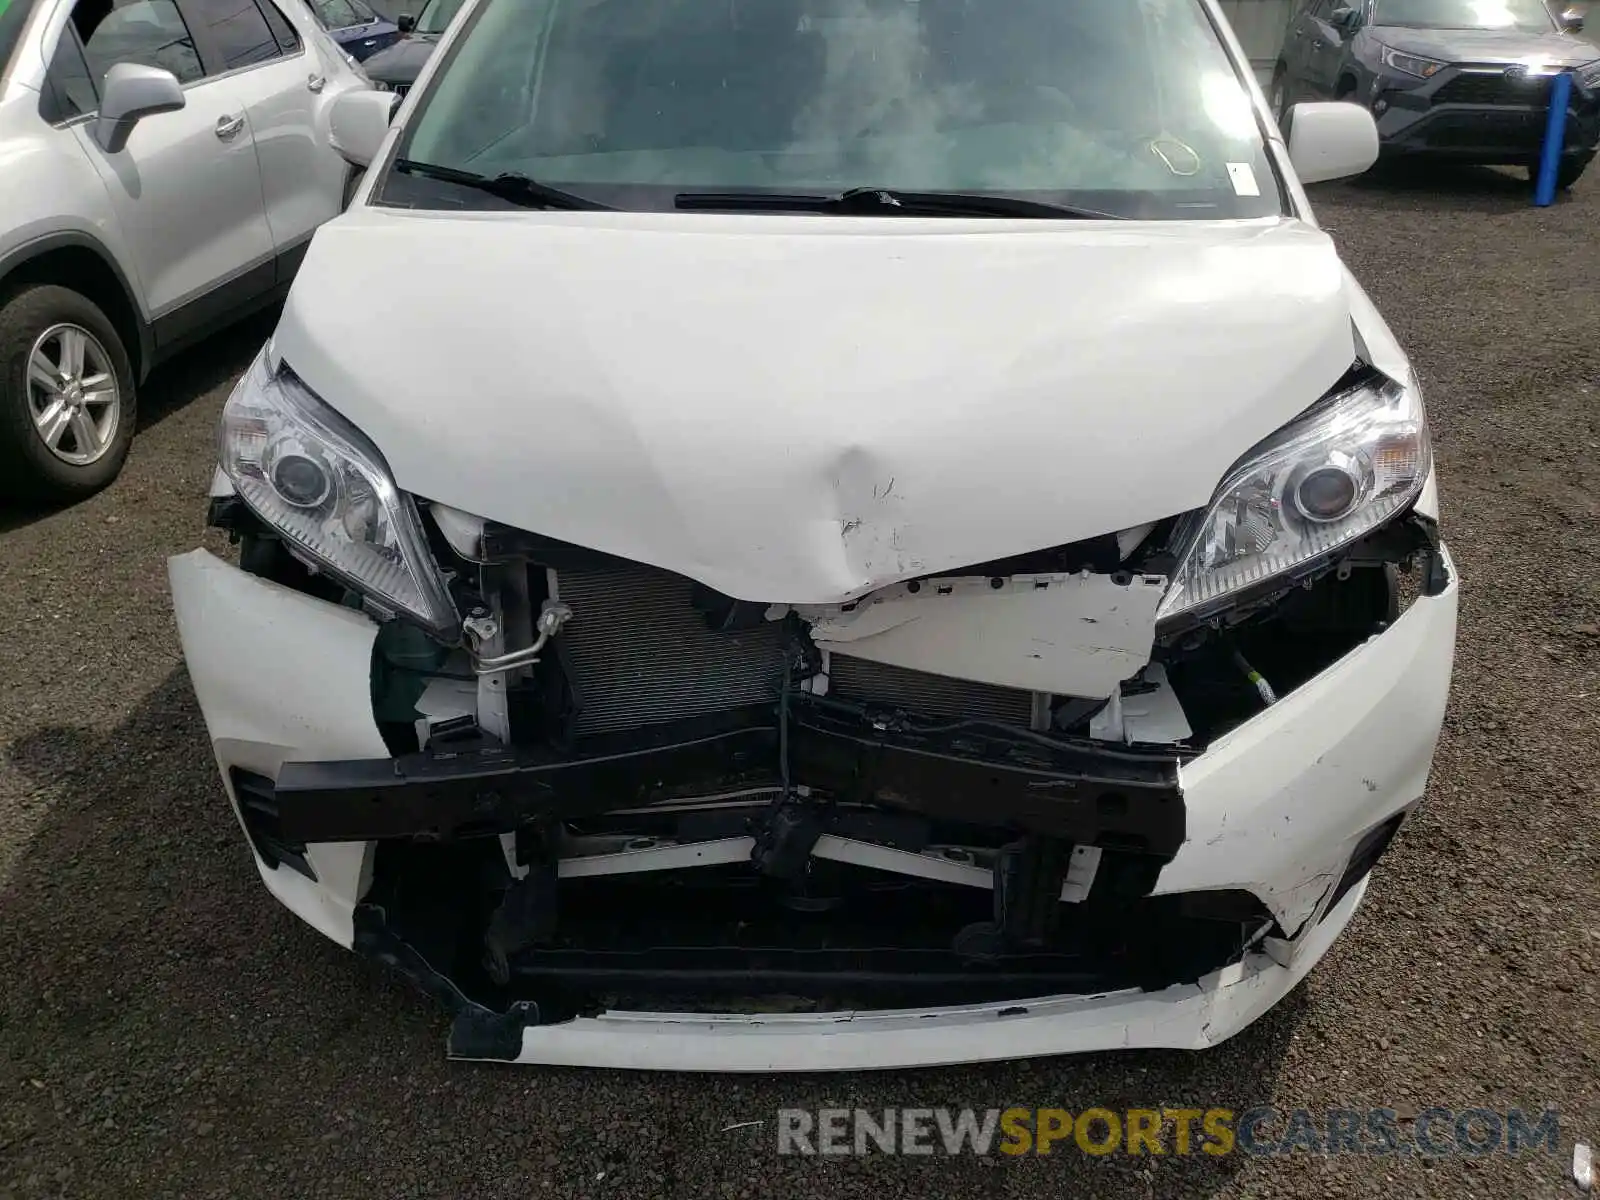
[[871, 201], [511, 186]]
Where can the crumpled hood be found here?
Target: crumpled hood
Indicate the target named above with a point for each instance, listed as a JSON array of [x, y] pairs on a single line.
[[802, 409], [1488, 45]]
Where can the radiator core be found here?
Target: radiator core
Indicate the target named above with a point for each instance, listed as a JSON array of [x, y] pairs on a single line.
[[642, 654]]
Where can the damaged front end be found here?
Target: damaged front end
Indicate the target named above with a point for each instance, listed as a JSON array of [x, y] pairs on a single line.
[[619, 789], [606, 787]]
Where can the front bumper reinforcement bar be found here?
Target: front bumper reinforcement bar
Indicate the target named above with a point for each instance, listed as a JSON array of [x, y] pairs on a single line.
[[1122, 798]]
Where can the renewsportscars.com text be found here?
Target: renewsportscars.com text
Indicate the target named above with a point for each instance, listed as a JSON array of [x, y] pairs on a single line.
[[1433, 1132]]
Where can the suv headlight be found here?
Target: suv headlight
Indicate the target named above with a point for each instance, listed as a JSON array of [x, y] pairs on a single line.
[[1331, 476], [1412, 64], [324, 488]]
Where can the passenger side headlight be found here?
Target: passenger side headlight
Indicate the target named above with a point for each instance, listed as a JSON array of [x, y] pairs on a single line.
[[1412, 64], [324, 488], [1333, 475]]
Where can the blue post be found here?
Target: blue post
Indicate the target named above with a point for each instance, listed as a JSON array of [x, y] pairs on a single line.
[[1555, 133]]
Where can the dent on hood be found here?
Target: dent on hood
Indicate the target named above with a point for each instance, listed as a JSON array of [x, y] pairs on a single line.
[[783, 438]]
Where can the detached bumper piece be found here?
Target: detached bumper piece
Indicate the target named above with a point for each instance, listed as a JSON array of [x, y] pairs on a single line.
[[729, 940], [837, 864]]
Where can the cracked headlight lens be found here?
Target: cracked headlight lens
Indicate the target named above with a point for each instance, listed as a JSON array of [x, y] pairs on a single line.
[[1333, 475], [324, 488], [1412, 64]]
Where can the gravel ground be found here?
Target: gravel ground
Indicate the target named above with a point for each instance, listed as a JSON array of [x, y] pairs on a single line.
[[166, 1029]]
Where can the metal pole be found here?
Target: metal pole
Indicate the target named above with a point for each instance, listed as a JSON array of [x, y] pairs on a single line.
[[1555, 132]]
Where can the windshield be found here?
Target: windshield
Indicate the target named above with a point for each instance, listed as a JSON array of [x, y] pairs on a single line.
[[1527, 16], [1129, 107], [436, 16]]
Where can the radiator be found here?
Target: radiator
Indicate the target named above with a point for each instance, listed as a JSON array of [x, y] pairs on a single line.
[[919, 692], [640, 653]]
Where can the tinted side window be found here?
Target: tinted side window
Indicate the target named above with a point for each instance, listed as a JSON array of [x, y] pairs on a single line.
[[288, 38], [148, 32], [240, 31], [70, 91]]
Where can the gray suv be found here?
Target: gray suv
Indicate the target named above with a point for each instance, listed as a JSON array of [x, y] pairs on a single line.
[[1455, 79], [166, 163]]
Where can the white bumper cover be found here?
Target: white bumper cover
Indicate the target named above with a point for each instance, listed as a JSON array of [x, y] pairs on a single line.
[[1275, 807]]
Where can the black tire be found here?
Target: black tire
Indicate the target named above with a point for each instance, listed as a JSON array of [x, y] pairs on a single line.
[[1571, 169], [1568, 171], [29, 471]]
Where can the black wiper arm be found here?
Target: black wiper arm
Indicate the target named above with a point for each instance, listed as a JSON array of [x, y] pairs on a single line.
[[870, 201], [512, 186]]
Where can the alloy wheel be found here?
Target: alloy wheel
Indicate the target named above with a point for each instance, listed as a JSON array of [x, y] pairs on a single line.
[[72, 394]]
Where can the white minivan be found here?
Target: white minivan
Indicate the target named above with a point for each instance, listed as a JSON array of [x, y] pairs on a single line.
[[804, 534]]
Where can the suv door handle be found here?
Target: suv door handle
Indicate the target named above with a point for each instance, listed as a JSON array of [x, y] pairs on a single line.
[[315, 83], [227, 127]]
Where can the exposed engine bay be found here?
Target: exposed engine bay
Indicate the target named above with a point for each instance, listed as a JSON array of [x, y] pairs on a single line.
[[624, 789]]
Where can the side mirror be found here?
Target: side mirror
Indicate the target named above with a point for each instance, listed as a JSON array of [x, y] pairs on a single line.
[[1345, 19], [1330, 139], [358, 122], [1572, 20], [405, 22], [131, 92]]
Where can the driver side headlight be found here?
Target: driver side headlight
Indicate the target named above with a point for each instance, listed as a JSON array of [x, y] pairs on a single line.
[[317, 481], [1412, 64], [1330, 477]]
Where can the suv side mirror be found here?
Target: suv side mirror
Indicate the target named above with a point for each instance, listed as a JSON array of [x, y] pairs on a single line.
[[1345, 19], [358, 122], [405, 22], [1331, 139], [131, 92], [1572, 19]]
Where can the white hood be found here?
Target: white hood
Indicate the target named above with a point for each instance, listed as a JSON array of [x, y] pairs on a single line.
[[804, 409]]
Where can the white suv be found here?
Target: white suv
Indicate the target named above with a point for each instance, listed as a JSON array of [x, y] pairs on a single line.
[[166, 163]]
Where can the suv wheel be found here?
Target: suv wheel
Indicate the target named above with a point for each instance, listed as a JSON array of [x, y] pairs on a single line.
[[1570, 170], [67, 405]]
